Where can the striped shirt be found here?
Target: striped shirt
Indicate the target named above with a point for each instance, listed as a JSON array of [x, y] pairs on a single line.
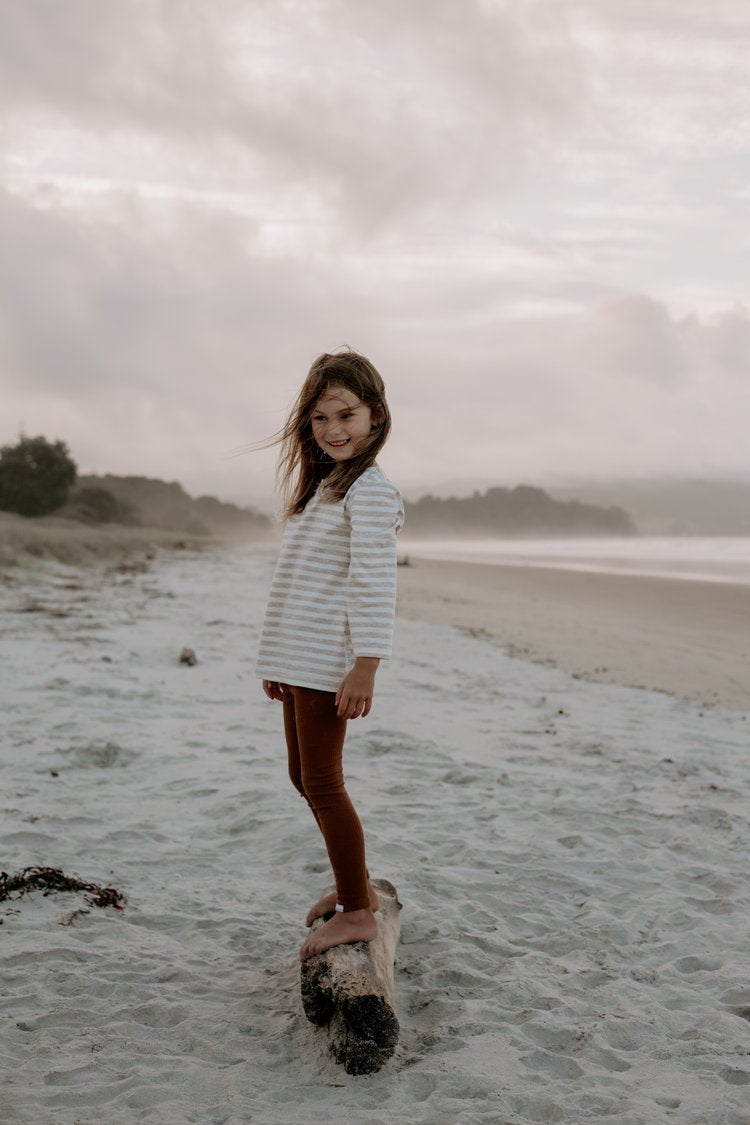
[[333, 593]]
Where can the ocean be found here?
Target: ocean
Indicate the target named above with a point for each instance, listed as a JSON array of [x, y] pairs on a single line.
[[706, 559]]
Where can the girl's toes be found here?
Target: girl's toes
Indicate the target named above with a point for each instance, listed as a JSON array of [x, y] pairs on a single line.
[[308, 950]]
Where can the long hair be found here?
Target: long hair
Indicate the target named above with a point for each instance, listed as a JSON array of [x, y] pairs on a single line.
[[303, 465]]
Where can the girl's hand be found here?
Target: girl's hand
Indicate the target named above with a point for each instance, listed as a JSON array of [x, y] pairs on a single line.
[[354, 697], [273, 690]]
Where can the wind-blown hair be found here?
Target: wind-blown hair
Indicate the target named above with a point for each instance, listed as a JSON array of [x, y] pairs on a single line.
[[302, 463]]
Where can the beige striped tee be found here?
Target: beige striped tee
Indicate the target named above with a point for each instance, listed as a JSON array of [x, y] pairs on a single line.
[[333, 593]]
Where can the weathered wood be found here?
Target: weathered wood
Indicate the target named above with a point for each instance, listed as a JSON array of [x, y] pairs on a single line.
[[350, 988]]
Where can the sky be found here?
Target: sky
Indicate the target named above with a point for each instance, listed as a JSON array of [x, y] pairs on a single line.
[[532, 216]]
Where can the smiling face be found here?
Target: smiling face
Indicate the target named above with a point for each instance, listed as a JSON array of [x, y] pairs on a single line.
[[340, 423]]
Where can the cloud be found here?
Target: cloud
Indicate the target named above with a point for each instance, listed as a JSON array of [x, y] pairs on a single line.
[[133, 66], [575, 400], [376, 125], [520, 212]]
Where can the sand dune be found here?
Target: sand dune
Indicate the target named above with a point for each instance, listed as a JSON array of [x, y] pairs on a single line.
[[26, 541], [572, 858]]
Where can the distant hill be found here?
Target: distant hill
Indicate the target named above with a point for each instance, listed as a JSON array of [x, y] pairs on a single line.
[[521, 511], [144, 501], [674, 507]]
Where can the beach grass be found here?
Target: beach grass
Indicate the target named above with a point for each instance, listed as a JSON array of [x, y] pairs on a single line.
[[24, 541]]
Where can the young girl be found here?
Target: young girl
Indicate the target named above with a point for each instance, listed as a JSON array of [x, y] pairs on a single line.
[[329, 620]]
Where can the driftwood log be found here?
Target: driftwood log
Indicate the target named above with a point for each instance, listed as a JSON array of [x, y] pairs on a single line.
[[350, 989]]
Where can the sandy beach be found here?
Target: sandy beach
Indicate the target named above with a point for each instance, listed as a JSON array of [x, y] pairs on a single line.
[[688, 638], [571, 855]]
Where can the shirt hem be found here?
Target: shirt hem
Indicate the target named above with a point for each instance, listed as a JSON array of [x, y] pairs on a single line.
[[295, 679]]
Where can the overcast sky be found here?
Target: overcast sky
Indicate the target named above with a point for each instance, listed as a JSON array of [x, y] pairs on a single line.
[[531, 215]]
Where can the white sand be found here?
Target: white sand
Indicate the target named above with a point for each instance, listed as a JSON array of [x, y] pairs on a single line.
[[572, 858]]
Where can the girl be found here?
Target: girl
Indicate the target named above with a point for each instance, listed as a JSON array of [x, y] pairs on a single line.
[[329, 620]]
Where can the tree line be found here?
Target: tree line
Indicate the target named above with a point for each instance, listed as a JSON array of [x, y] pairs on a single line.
[[39, 477], [520, 511], [36, 476]]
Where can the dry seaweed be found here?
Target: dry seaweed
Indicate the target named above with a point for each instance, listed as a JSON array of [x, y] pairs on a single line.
[[51, 880], [33, 605]]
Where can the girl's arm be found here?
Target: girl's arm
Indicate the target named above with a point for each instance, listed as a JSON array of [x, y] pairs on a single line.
[[375, 512]]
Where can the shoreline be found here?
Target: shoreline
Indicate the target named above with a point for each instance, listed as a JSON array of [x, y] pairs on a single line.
[[686, 637]]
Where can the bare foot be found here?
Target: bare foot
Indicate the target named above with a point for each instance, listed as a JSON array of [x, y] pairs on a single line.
[[327, 905], [351, 925]]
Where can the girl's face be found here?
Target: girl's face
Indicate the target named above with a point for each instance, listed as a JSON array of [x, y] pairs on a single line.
[[340, 423]]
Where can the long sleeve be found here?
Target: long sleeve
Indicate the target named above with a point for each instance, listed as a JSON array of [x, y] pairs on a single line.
[[376, 514], [333, 592]]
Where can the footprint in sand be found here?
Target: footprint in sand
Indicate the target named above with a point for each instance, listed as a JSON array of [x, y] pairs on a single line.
[[690, 965], [101, 755], [734, 1076]]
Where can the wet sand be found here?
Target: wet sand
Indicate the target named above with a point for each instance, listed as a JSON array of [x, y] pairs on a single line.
[[688, 638]]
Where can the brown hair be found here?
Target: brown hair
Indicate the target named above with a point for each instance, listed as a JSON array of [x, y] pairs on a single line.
[[302, 464]]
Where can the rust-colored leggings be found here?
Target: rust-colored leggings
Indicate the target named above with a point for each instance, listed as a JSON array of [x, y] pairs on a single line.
[[315, 742]]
